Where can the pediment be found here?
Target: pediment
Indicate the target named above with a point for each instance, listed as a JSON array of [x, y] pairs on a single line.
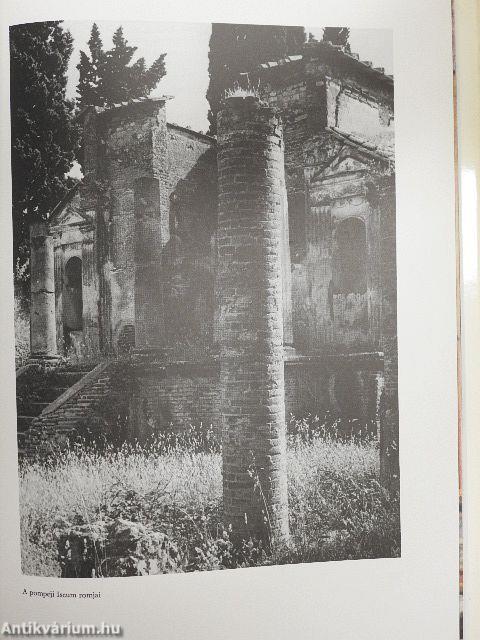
[[68, 213], [347, 161]]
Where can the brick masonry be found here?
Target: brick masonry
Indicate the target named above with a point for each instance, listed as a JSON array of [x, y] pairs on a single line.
[[249, 326], [144, 224]]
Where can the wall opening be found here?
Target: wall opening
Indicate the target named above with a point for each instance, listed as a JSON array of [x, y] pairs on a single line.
[[350, 257], [72, 298]]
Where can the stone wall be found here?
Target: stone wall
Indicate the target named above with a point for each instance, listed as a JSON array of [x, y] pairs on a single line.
[[174, 397], [130, 134], [188, 259], [152, 185], [122, 148], [131, 401]]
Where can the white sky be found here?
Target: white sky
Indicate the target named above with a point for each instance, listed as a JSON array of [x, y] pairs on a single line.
[[186, 46]]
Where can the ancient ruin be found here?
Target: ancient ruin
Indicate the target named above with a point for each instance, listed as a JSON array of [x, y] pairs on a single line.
[[229, 282]]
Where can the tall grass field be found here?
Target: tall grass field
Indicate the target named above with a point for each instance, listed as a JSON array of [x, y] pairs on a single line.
[[338, 510]]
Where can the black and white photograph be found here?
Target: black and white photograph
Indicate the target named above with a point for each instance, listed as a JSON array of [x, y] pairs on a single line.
[[204, 230]]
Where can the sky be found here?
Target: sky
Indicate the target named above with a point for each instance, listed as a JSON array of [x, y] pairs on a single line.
[[186, 46]]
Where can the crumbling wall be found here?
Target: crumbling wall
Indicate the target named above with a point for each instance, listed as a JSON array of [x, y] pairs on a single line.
[[188, 259], [130, 136], [336, 284], [353, 111]]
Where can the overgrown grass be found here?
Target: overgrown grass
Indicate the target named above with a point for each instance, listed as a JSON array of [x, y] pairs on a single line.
[[338, 509]]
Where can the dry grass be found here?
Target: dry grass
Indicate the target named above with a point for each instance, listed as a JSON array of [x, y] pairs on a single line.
[[338, 510]]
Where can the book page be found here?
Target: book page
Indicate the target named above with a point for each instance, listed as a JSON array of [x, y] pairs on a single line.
[[230, 374]]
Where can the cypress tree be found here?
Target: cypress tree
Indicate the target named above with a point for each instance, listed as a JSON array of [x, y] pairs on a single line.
[[109, 77], [44, 135], [91, 70]]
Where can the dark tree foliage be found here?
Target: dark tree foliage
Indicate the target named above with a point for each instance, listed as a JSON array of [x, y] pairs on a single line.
[[44, 135], [338, 36], [91, 69], [239, 48], [109, 77]]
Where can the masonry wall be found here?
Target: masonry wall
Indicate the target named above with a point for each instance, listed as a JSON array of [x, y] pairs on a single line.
[[130, 136], [176, 396], [188, 260], [123, 148], [355, 111], [338, 123]]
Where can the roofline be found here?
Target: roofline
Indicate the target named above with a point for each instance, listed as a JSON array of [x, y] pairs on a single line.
[[192, 132], [309, 47], [377, 152], [121, 105], [363, 65]]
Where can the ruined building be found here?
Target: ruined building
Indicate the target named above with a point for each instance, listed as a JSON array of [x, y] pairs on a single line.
[[220, 276]]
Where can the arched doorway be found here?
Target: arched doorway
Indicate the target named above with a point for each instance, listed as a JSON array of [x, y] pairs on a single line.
[[72, 299]]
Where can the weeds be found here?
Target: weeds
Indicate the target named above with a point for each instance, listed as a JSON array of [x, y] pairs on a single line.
[[173, 486]]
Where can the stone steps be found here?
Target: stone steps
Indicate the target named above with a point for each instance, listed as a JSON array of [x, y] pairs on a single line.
[[38, 388], [61, 420]]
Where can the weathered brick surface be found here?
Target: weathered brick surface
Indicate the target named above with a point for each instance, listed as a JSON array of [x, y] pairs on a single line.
[[144, 223], [250, 319], [175, 397], [72, 415]]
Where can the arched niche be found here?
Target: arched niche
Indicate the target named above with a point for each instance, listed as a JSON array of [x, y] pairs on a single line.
[[72, 295], [349, 273]]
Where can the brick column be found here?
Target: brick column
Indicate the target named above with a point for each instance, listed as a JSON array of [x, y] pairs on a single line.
[[43, 342], [389, 414], [249, 323]]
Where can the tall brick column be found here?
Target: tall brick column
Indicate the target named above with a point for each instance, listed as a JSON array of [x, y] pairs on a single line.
[[43, 339], [389, 414], [249, 323]]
